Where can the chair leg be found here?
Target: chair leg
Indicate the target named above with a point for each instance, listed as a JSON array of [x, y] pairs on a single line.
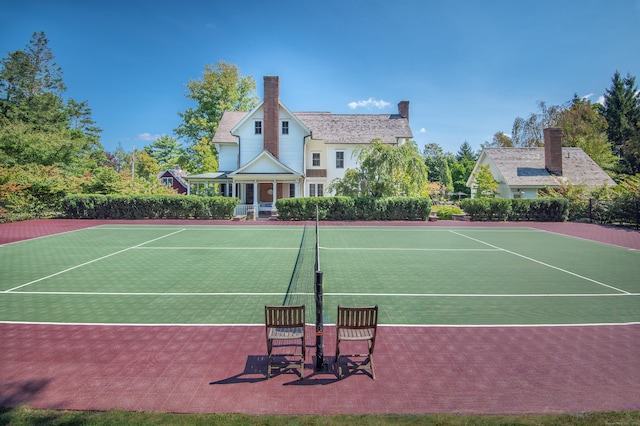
[[269, 348], [302, 358], [338, 360], [373, 374]]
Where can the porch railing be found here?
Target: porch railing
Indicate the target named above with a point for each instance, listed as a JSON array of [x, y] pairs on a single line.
[[241, 209]]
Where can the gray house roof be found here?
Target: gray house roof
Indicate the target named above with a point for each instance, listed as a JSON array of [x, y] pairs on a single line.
[[356, 128], [526, 167], [333, 128], [227, 122]]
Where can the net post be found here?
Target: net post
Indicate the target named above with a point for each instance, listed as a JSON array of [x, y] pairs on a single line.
[[320, 364]]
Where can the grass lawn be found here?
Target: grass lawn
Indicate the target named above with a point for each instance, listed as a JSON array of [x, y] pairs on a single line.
[[28, 416]]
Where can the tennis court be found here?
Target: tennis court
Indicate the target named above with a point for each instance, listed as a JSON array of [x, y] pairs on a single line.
[[168, 316], [137, 274]]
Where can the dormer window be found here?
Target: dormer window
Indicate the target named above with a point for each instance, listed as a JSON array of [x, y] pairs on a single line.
[[285, 127], [258, 127]]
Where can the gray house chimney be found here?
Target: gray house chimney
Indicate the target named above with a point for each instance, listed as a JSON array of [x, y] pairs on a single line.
[[403, 109], [553, 150], [271, 107]]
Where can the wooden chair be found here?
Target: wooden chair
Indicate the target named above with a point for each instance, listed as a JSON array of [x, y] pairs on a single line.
[[285, 323], [357, 324]]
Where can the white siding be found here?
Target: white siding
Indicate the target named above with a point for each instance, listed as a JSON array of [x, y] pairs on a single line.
[[251, 144], [292, 145], [350, 162], [227, 157]]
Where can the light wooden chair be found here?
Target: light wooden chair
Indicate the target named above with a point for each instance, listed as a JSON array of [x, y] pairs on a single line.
[[286, 325], [357, 324]]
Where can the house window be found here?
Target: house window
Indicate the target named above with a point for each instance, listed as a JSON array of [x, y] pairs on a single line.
[[292, 190], [316, 190], [258, 127], [285, 127], [340, 160], [315, 159], [167, 181]]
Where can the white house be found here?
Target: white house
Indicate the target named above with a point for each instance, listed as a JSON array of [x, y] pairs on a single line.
[[271, 152], [523, 172]]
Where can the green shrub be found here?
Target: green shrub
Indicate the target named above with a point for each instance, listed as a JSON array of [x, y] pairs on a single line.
[[477, 208], [359, 208], [98, 206], [446, 212], [536, 209]]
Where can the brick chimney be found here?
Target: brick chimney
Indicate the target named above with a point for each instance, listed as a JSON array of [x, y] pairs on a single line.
[[553, 150], [271, 109], [403, 109]]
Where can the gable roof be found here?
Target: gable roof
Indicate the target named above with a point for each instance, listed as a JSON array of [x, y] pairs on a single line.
[[332, 128], [264, 164], [356, 128], [526, 167], [227, 122], [177, 174]]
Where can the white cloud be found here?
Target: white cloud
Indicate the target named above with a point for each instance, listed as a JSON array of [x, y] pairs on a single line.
[[422, 130], [369, 103], [147, 137], [585, 97], [600, 100]]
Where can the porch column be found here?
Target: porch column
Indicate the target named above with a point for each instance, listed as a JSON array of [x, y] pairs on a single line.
[[275, 195], [255, 195], [233, 189]]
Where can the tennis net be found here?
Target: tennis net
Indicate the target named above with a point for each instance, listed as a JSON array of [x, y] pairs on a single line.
[[301, 285]]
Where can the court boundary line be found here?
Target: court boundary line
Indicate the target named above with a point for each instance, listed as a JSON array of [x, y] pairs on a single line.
[[107, 324], [432, 295], [541, 262], [89, 262]]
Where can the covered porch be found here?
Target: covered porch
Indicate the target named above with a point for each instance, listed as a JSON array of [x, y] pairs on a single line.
[[256, 192]]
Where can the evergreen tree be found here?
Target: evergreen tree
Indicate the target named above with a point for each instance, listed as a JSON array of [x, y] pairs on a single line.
[[466, 152], [166, 151], [621, 109]]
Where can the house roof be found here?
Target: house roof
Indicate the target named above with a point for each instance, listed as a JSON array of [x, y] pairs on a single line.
[[227, 122], [266, 164], [526, 167], [356, 128], [177, 174], [333, 128]]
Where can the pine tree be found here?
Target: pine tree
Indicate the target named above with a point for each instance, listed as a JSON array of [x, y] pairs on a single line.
[[622, 111]]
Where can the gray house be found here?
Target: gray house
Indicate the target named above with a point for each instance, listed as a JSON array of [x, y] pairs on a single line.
[[523, 172]]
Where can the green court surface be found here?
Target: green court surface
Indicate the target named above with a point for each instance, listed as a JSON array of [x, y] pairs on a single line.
[[143, 274]]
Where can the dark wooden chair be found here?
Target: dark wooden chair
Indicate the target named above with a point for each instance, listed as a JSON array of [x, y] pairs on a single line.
[[286, 326], [357, 324]]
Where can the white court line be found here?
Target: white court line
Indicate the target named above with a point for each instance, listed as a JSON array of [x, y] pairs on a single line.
[[217, 248], [108, 324], [432, 295], [435, 295], [405, 249], [542, 263], [113, 293], [89, 262]]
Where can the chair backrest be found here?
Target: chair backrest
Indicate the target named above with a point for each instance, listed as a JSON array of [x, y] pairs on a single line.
[[357, 317], [284, 316]]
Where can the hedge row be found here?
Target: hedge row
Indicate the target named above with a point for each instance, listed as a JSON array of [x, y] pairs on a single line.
[[360, 208], [148, 207], [517, 209]]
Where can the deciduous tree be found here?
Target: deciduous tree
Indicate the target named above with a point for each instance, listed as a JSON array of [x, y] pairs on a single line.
[[385, 171], [485, 184], [222, 88]]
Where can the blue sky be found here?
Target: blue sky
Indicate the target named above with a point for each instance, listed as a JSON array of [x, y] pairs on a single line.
[[468, 68]]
